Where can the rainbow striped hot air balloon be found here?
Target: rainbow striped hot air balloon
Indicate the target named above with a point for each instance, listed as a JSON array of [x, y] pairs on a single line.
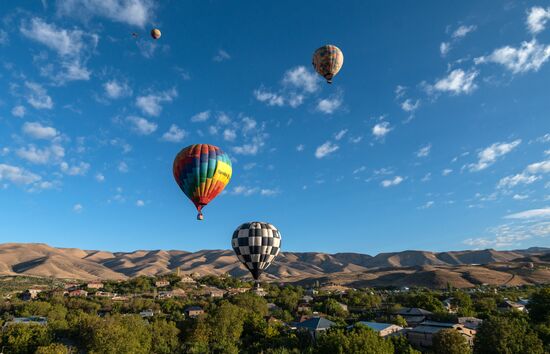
[[202, 171]]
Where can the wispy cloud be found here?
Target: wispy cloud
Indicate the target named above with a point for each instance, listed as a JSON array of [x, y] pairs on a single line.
[[38, 131], [329, 105], [18, 111], [489, 155], [80, 169], [380, 130], [530, 214], [325, 149], [424, 151], [17, 175], [530, 56], [141, 125], [37, 96], [73, 47], [392, 182], [248, 191], [221, 55], [174, 135], [537, 18], [270, 98], [457, 82], [47, 155], [151, 104], [77, 208], [132, 12], [200, 117], [115, 89]]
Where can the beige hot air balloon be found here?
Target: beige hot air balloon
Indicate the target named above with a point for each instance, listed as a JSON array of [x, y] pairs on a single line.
[[155, 33], [328, 61]]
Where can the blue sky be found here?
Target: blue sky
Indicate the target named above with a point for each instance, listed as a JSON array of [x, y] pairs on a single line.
[[435, 134]]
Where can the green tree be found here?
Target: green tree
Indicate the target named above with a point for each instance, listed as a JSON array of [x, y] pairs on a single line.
[[54, 348], [24, 338], [509, 334], [449, 341], [401, 345], [334, 308], [226, 326], [485, 306], [400, 321], [250, 302], [539, 306], [426, 301], [358, 340], [164, 337], [464, 303], [288, 298]]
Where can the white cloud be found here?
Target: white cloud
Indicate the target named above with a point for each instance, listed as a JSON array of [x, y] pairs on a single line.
[[72, 46], [268, 192], [380, 130], [530, 56], [77, 208], [132, 12], [489, 155], [99, 177], [512, 181], [329, 105], [301, 78], [520, 196], [17, 175], [223, 118], [175, 134], [151, 104], [229, 134], [424, 151], [270, 98], [222, 55], [248, 191], [38, 131], [400, 91], [539, 167], [140, 203], [446, 172], [392, 182], [300, 147], [359, 170], [340, 134], [409, 105], [37, 96], [18, 111], [537, 18], [76, 170], [200, 117], [325, 149], [457, 82], [444, 48], [530, 214], [4, 38], [462, 31], [54, 153], [356, 140], [427, 205], [122, 167], [427, 177], [295, 99], [141, 125], [248, 124], [115, 89]]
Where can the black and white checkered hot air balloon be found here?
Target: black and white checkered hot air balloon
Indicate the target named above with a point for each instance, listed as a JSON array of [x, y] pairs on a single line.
[[256, 245]]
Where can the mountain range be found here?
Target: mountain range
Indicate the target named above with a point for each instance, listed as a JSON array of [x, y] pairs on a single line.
[[407, 268]]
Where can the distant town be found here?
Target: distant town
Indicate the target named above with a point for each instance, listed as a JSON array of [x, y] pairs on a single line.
[[192, 313]]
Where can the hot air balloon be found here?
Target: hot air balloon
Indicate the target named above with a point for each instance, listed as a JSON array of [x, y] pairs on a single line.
[[155, 33], [328, 61], [256, 245], [202, 171]]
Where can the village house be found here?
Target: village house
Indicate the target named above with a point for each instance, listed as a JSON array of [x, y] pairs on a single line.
[[162, 283], [104, 294], [307, 298], [34, 320], [311, 292], [94, 285], [422, 335], [272, 307], [235, 291], [71, 286], [215, 293], [470, 322], [120, 298], [508, 305], [414, 315], [449, 305], [78, 293], [383, 329], [193, 311], [315, 326], [186, 279], [164, 295], [303, 307], [147, 313]]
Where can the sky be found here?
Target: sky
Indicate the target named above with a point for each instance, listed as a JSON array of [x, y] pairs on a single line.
[[435, 135]]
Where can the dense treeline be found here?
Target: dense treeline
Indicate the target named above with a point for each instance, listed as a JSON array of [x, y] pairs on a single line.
[[244, 323]]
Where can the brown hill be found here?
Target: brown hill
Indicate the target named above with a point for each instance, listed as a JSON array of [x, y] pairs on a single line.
[[407, 268]]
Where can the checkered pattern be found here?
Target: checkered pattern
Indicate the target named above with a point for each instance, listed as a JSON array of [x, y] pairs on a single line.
[[256, 245]]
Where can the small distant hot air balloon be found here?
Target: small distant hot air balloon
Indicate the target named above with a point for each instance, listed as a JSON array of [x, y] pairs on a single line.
[[155, 33], [134, 34], [202, 171], [328, 61], [256, 244]]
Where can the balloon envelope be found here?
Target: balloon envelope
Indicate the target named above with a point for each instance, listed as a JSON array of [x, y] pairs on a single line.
[[202, 171], [256, 245], [155, 33], [328, 61]]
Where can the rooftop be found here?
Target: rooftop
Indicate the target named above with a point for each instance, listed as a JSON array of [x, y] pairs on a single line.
[[315, 323]]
